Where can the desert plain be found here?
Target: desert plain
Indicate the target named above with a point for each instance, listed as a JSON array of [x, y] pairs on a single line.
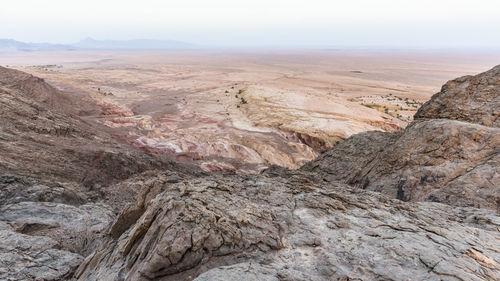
[[242, 111]]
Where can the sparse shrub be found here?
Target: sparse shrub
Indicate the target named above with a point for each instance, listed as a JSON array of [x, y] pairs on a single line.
[[243, 101]]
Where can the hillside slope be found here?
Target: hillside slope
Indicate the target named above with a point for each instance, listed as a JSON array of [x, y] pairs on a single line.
[[173, 222], [449, 154], [305, 225], [42, 135]]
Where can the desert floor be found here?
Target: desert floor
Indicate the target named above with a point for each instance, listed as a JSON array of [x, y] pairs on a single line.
[[245, 110]]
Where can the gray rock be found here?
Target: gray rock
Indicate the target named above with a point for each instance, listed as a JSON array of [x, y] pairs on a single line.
[[240, 271], [75, 228], [439, 160], [45, 231], [439, 157], [295, 229], [15, 189], [347, 159], [25, 257]]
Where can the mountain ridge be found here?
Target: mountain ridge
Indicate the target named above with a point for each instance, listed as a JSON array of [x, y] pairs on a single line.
[[11, 45]]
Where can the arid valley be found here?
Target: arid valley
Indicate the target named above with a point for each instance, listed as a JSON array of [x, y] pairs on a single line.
[[242, 111], [232, 140], [263, 165]]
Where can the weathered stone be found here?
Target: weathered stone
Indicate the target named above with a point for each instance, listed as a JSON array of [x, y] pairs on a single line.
[[279, 225], [45, 229], [474, 99], [278, 228], [15, 189], [25, 257], [440, 160], [347, 159]]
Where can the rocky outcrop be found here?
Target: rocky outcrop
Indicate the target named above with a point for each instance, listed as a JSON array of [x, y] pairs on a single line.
[[346, 160], [272, 228], [428, 159], [444, 161], [52, 219], [46, 229], [279, 225], [25, 257], [474, 99], [450, 154]]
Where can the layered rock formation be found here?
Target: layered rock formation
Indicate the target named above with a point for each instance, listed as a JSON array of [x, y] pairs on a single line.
[[449, 154], [474, 99], [272, 228], [46, 229], [304, 225], [56, 171], [315, 223]]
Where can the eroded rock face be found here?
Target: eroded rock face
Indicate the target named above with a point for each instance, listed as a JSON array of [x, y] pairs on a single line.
[[25, 257], [46, 229], [434, 159], [474, 99], [271, 228], [15, 189], [346, 160], [279, 225], [425, 162]]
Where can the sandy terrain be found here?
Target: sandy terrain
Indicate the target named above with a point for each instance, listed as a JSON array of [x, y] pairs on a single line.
[[242, 111]]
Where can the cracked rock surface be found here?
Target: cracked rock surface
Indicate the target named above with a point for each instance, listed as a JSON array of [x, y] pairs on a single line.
[[25, 257], [449, 154], [271, 228], [45, 230], [474, 99], [106, 219]]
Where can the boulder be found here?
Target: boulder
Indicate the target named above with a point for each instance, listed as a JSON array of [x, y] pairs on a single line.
[[449, 154], [474, 99]]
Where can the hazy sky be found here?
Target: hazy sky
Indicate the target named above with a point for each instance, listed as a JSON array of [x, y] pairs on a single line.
[[391, 23]]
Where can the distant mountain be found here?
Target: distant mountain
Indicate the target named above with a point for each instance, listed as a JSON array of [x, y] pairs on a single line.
[[13, 45], [10, 45], [139, 44]]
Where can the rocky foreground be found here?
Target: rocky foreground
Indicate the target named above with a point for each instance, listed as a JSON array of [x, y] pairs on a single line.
[[421, 204]]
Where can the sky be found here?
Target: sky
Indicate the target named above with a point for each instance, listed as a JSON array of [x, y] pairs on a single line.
[[259, 23]]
